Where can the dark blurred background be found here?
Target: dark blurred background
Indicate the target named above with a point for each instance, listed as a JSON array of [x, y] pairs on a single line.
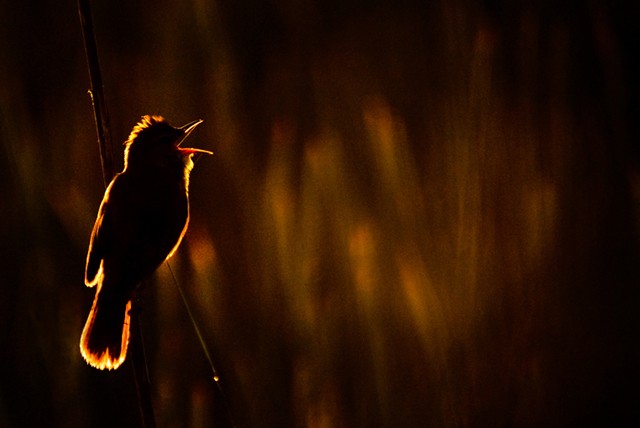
[[418, 214]]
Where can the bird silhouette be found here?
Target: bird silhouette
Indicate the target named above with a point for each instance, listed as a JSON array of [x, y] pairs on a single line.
[[142, 218]]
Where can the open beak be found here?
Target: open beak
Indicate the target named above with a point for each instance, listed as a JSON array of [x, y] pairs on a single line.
[[188, 129]]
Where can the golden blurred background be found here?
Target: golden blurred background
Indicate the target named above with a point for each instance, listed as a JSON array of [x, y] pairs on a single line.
[[419, 214]]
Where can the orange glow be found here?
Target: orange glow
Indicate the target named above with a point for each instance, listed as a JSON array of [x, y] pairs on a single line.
[[203, 252], [145, 122], [423, 304], [94, 281], [104, 360], [184, 230], [362, 247]]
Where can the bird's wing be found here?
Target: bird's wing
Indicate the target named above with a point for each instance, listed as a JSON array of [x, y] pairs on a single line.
[[99, 240], [140, 222]]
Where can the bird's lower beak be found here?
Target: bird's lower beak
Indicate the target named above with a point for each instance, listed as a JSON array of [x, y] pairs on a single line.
[[191, 151]]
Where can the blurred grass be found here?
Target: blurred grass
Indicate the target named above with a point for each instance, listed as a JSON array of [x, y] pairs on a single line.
[[416, 215]]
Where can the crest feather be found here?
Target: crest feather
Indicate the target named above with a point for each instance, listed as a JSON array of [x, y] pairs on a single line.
[[145, 122]]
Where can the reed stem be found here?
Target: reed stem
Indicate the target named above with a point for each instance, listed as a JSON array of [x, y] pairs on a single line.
[[138, 359]]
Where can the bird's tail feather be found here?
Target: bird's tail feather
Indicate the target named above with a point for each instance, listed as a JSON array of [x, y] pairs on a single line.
[[105, 336]]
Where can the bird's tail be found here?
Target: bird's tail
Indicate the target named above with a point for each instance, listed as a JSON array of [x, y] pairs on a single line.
[[105, 336]]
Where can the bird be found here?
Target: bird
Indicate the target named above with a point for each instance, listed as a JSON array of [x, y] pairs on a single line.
[[141, 221]]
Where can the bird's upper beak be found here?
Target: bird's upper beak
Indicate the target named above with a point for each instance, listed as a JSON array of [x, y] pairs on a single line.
[[188, 129]]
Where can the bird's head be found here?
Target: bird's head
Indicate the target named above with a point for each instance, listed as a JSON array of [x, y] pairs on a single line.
[[154, 142]]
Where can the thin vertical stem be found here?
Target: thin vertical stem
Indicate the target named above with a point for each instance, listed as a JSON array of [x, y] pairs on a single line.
[[140, 370], [138, 359], [205, 349], [96, 92]]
